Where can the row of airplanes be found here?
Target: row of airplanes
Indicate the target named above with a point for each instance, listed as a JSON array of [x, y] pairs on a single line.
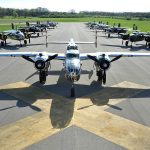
[[25, 33], [72, 61], [124, 33]]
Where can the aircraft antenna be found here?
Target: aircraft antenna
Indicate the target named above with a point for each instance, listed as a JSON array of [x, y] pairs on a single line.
[[46, 39], [96, 38]]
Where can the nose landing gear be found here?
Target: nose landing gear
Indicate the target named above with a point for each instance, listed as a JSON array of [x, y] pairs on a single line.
[[72, 91]]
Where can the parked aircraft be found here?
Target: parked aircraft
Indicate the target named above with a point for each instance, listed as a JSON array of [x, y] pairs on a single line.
[[14, 35], [115, 30], [72, 61], [29, 30], [135, 37]]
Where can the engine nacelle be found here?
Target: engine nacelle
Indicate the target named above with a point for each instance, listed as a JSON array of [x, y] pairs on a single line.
[[40, 64], [103, 63]]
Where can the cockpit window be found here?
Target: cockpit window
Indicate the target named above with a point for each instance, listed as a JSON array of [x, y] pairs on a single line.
[[72, 47], [70, 55]]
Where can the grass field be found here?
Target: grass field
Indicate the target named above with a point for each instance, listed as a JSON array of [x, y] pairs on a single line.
[[143, 25]]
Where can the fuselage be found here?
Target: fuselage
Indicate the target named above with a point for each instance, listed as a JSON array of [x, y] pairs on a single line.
[[72, 62], [15, 35]]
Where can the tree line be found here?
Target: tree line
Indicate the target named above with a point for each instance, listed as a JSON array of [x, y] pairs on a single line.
[[45, 13]]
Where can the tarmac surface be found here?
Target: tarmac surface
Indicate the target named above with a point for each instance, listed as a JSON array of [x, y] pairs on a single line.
[[114, 116]]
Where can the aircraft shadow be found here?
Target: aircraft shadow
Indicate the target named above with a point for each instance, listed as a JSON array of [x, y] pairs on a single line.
[[11, 47], [133, 48], [122, 46], [62, 105], [111, 37], [137, 48]]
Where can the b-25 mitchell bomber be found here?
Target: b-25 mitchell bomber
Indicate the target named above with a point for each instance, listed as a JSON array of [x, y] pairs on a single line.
[[136, 37], [13, 35], [72, 61], [115, 30]]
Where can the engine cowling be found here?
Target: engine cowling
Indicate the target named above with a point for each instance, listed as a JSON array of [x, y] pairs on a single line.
[[40, 64], [103, 63]]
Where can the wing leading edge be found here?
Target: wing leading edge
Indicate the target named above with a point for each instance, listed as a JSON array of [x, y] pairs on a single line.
[[84, 56], [31, 54]]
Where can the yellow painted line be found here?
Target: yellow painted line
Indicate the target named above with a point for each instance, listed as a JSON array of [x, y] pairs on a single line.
[[56, 114], [90, 116], [118, 130], [25, 132], [59, 112]]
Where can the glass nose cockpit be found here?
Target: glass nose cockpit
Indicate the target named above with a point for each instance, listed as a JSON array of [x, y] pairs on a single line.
[[74, 70], [72, 55], [73, 47]]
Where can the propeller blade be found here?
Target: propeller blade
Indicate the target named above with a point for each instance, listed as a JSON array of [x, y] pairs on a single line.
[[116, 58], [51, 57], [104, 77], [27, 58], [93, 58]]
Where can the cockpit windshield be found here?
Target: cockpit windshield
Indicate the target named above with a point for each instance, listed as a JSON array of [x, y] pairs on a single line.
[[72, 55], [72, 47]]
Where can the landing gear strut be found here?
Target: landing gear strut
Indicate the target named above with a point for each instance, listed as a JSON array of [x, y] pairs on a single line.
[[101, 74], [126, 43], [42, 76]]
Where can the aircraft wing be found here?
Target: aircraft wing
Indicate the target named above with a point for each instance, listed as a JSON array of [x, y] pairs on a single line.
[[84, 56], [7, 32], [60, 56], [19, 54]]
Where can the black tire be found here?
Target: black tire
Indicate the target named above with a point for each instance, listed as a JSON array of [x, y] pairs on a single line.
[[72, 92], [42, 77], [42, 81], [148, 45], [25, 42], [38, 34], [5, 37], [104, 79], [108, 35], [126, 43], [2, 43], [29, 37], [99, 75]]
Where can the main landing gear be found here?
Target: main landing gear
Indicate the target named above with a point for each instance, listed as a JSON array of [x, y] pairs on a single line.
[[42, 76], [101, 76]]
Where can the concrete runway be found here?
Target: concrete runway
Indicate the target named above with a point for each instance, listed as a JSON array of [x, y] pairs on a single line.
[[115, 116]]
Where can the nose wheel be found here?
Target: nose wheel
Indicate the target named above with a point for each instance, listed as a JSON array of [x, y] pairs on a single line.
[[72, 91]]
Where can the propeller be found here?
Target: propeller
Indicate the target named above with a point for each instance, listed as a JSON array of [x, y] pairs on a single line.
[[51, 57], [104, 64], [93, 58], [40, 54], [116, 58], [28, 58]]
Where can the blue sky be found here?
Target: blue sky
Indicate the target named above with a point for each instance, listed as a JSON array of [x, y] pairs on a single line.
[[79, 5]]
